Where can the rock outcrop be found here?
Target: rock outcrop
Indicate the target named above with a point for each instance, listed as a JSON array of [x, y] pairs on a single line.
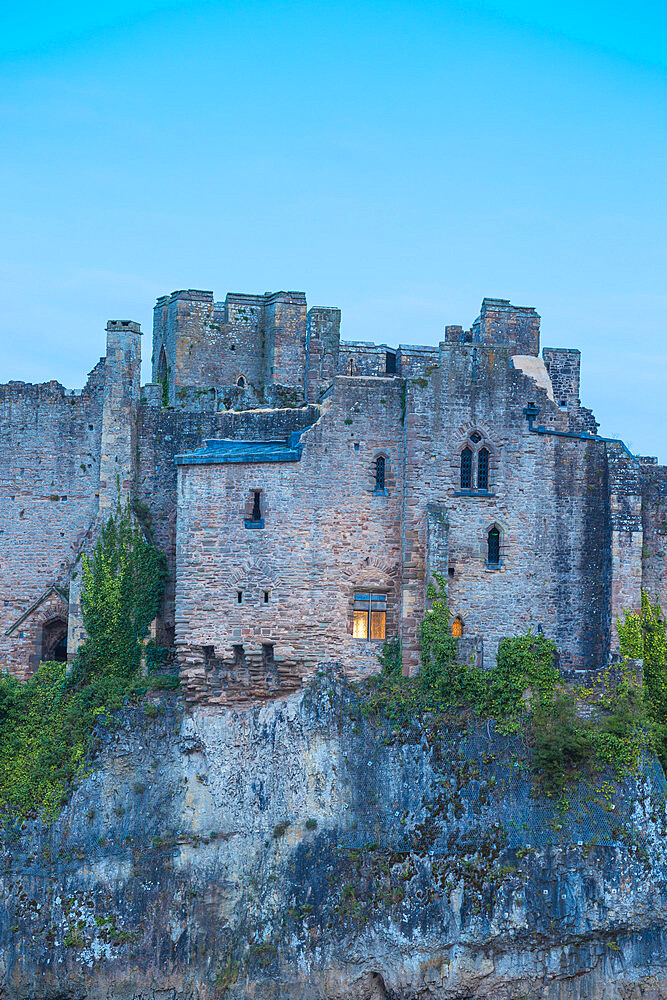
[[301, 850]]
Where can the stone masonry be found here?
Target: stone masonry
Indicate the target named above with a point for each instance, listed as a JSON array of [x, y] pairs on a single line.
[[290, 476]]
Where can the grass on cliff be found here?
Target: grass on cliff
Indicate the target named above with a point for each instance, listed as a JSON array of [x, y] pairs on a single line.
[[524, 694], [47, 723]]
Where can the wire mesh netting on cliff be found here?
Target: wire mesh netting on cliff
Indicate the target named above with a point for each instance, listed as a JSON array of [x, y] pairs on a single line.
[[466, 785]]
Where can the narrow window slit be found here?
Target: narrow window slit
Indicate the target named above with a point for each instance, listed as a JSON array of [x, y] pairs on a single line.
[[493, 543], [380, 467], [466, 469]]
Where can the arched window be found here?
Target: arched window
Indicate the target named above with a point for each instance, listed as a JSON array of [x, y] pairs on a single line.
[[466, 469], [493, 543], [457, 628], [240, 382], [163, 376], [162, 365], [54, 640], [380, 466], [483, 469]]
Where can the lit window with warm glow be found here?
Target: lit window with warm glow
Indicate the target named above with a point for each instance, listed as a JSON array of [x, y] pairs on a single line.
[[370, 616], [457, 628]]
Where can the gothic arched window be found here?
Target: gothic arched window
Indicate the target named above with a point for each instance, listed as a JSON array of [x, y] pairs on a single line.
[[457, 628], [483, 469], [493, 545], [380, 466], [466, 469]]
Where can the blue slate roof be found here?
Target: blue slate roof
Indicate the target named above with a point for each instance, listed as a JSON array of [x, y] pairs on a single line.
[[226, 451]]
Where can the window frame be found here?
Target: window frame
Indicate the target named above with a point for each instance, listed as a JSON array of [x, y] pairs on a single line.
[[466, 453], [363, 605], [487, 465], [497, 532]]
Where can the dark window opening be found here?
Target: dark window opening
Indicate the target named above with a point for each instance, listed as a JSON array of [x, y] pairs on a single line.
[[370, 616], [466, 469], [390, 363], [239, 597], [256, 520], [266, 596], [54, 641], [451, 571], [232, 347], [493, 542], [475, 438], [380, 466], [483, 470], [240, 382]]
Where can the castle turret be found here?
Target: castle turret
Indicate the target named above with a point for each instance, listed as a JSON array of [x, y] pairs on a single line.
[[121, 395]]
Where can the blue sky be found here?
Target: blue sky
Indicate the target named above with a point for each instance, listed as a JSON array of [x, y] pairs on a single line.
[[398, 160]]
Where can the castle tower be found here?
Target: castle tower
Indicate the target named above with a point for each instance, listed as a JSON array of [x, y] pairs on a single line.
[[121, 395]]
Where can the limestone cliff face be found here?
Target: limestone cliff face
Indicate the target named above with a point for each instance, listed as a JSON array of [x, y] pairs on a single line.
[[299, 850]]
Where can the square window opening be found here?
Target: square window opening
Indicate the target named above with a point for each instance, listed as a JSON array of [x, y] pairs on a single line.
[[369, 616]]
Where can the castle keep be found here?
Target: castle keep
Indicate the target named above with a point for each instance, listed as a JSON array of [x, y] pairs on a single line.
[[306, 489]]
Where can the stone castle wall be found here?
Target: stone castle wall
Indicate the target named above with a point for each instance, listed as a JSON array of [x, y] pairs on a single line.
[[580, 519], [654, 525], [326, 534], [49, 489]]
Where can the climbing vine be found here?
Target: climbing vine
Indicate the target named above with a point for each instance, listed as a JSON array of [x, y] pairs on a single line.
[[122, 589], [524, 694], [165, 387], [47, 724], [642, 636]]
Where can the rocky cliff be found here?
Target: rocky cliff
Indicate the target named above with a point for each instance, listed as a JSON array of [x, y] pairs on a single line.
[[301, 850]]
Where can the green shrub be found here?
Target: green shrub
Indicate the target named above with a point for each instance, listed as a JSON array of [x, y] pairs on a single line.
[[642, 635], [47, 723], [522, 693]]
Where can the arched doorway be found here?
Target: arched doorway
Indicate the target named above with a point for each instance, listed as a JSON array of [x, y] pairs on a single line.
[[54, 640]]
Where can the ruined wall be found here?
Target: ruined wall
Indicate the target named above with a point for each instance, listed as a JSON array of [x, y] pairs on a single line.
[[654, 530], [165, 433], [322, 349], [358, 358], [50, 446], [547, 496], [625, 502], [326, 533], [499, 322], [563, 366], [261, 340]]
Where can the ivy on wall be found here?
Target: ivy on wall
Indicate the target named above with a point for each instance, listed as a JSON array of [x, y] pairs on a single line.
[[524, 693], [47, 723], [642, 636]]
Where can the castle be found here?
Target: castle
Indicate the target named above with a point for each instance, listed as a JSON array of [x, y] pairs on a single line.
[[306, 489]]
